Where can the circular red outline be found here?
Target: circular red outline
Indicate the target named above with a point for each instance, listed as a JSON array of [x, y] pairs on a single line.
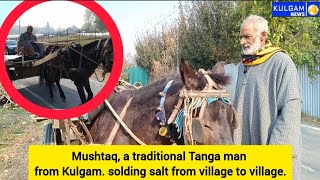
[[75, 111]]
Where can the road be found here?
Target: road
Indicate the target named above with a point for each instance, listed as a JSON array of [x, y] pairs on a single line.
[[310, 153], [39, 95]]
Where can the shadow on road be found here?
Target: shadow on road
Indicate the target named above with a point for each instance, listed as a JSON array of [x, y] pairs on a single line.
[[39, 95]]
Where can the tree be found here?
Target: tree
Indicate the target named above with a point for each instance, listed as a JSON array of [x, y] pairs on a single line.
[[88, 19], [208, 31], [157, 51], [99, 24]]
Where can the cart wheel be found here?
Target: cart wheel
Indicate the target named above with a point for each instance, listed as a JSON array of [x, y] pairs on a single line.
[[48, 134]]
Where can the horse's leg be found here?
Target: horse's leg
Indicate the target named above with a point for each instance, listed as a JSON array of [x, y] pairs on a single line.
[[42, 75], [51, 92], [80, 91], [50, 81], [88, 89], [60, 90], [57, 78]]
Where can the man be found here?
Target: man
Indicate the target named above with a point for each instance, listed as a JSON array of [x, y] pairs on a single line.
[[26, 43], [267, 96]]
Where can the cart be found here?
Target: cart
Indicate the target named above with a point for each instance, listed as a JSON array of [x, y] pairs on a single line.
[[20, 67], [74, 131]]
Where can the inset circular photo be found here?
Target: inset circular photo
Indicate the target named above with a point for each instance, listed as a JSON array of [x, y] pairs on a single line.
[[61, 59]]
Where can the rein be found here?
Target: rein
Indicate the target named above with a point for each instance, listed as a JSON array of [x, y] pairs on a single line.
[[82, 55], [116, 127]]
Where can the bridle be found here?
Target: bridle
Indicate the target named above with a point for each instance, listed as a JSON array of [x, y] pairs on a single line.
[[98, 52], [192, 101]]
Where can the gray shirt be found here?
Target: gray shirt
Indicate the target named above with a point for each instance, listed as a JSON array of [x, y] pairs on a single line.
[[25, 39], [268, 100]]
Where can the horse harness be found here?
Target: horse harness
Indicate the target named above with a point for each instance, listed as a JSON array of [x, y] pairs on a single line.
[[72, 46], [185, 119], [191, 99]]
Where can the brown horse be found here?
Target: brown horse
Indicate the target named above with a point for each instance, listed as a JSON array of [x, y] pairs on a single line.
[[216, 124]]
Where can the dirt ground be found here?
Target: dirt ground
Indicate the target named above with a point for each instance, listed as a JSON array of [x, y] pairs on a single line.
[[17, 132]]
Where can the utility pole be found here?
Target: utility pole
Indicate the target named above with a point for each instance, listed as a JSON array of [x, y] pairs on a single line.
[[19, 27]]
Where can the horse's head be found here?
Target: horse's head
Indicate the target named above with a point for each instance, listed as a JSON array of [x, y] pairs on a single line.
[[107, 55], [215, 121], [102, 51]]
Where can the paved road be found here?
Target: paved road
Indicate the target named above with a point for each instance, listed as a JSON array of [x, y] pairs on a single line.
[[39, 95], [311, 153]]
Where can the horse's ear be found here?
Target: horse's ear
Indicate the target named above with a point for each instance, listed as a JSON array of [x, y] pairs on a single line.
[[188, 76], [218, 68]]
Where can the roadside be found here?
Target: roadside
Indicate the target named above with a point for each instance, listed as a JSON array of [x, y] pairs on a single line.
[[307, 120]]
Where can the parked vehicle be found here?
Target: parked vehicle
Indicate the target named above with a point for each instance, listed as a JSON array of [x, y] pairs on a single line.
[[11, 47]]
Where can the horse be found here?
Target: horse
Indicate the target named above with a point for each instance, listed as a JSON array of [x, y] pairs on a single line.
[[51, 71], [78, 64], [81, 63], [141, 107]]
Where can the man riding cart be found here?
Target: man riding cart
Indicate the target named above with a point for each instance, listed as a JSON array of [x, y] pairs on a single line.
[[27, 44]]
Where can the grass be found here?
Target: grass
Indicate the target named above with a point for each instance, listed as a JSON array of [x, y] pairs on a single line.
[[12, 120], [17, 132]]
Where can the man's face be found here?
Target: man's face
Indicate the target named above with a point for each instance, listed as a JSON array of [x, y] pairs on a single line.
[[250, 40], [29, 30]]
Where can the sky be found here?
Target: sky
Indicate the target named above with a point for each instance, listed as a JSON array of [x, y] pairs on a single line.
[[131, 17]]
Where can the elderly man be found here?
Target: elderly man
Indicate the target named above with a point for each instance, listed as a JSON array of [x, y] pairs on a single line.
[[26, 43], [267, 97]]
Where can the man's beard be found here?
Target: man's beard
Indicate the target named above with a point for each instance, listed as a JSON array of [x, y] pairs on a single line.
[[253, 47]]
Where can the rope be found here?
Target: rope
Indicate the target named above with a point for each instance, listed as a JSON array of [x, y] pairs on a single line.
[[103, 76], [123, 124], [81, 54], [117, 125], [87, 131], [85, 56]]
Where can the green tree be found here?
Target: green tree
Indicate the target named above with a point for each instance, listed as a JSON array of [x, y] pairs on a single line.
[[99, 24], [206, 34], [88, 19], [208, 31]]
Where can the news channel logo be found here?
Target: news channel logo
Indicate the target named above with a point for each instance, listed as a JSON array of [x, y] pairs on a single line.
[[296, 9]]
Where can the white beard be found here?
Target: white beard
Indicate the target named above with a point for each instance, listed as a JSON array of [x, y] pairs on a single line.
[[250, 49]]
